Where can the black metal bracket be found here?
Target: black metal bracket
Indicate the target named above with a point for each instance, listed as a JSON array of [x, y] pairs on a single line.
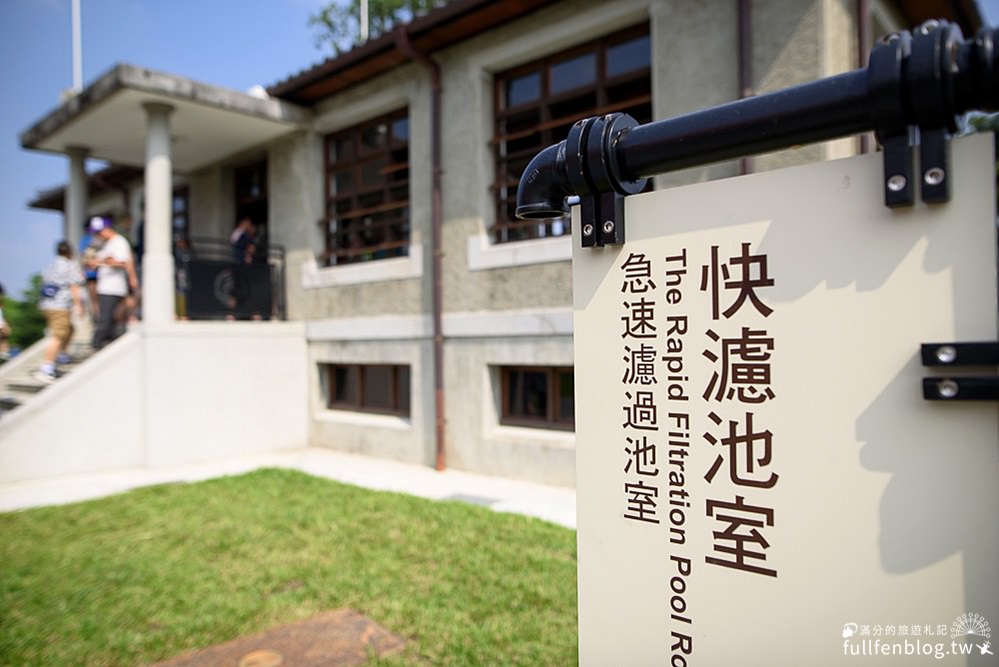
[[885, 71], [960, 388], [597, 180], [602, 219]]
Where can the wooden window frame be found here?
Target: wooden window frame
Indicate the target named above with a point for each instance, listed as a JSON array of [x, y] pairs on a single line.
[[552, 419], [351, 229], [400, 404], [551, 126]]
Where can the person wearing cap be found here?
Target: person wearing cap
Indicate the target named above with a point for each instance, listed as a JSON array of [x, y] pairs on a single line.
[[61, 282], [115, 275]]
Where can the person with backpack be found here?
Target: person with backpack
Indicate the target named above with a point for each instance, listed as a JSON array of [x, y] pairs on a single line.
[[61, 292]]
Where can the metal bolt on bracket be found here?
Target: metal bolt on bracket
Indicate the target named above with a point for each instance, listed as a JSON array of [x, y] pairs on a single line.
[[947, 388], [934, 176], [946, 354]]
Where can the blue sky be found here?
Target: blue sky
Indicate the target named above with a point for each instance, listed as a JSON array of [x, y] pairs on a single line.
[[231, 43]]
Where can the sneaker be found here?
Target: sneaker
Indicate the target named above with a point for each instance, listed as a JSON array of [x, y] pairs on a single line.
[[64, 359], [43, 377]]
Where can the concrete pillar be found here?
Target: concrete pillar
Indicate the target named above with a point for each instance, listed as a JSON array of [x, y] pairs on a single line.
[[77, 196], [157, 263]]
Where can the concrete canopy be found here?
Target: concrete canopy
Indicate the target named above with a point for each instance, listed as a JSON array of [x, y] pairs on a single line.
[[208, 124]]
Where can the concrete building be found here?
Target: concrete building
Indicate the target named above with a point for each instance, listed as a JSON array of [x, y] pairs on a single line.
[[425, 324]]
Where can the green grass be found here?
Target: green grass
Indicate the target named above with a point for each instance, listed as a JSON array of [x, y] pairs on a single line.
[[144, 576]]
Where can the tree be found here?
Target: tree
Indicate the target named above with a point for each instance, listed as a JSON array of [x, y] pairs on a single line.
[[27, 324], [338, 24]]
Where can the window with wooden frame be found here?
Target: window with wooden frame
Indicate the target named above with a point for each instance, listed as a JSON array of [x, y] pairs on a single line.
[[379, 388], [537, 103], [537, 396], [367, 191]]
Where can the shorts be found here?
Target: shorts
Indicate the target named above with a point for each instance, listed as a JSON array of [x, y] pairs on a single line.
[[59, 324]]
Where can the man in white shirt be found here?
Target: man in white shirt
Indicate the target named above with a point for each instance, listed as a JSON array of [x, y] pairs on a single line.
[[115, 276]]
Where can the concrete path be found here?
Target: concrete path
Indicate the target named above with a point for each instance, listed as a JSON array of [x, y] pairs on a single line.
[[551, 503]]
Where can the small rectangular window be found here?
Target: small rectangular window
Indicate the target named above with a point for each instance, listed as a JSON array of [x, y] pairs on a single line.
[[537, 396], [379, 388]]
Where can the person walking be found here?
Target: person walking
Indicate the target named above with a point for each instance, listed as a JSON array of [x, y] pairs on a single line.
[[244, 246], [61, 282], [115, 275]]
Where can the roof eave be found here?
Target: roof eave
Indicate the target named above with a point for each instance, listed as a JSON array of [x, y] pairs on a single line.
[[427, 34]]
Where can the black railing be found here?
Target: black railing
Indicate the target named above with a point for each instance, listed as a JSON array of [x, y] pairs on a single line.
[[211, 285]]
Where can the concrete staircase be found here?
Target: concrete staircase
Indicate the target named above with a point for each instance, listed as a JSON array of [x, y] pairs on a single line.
[[17, 385]]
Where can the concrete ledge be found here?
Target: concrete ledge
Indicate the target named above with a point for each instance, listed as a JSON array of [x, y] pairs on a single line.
[[484, 255], [376, 271]]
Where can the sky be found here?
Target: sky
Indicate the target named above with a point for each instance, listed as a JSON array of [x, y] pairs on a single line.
[[231, 43]]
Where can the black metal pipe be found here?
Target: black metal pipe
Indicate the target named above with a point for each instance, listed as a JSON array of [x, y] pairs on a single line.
[[924, 80], [817, 111]]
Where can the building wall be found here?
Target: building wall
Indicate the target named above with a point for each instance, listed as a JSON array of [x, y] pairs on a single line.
[[499, 301], [476, 440], [383, 341], [295, 177], [211, 194], [503, 304]]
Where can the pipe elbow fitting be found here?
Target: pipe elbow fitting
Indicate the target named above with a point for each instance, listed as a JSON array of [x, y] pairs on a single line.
[[543, 186]]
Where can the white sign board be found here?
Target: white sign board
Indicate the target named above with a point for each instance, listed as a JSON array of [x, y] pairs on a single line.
[[759, 479]]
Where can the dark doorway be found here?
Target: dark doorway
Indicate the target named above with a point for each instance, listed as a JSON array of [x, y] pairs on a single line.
[[251, 200]]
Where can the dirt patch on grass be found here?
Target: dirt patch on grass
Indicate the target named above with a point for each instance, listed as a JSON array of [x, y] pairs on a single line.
[[338, 638]]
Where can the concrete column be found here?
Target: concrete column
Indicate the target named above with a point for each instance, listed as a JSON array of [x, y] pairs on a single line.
[[77, 196], [157, 263]]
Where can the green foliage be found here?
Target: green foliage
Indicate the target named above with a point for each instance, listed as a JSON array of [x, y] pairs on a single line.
[[338, 24], [26, 322], [147, 575]]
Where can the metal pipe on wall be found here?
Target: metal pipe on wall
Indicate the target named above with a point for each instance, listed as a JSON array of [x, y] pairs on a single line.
[[406, 47], [746, 65]]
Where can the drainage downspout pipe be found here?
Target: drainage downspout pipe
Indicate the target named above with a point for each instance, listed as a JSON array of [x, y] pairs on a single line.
[[406, 47], [745, 11]]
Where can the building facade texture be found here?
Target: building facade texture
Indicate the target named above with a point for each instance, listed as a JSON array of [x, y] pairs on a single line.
[[352, 196]]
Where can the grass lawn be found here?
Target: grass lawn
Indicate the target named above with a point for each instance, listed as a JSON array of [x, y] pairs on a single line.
[[144, 576]]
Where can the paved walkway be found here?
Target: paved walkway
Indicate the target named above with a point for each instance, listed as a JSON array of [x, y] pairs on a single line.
[[551, 503]]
